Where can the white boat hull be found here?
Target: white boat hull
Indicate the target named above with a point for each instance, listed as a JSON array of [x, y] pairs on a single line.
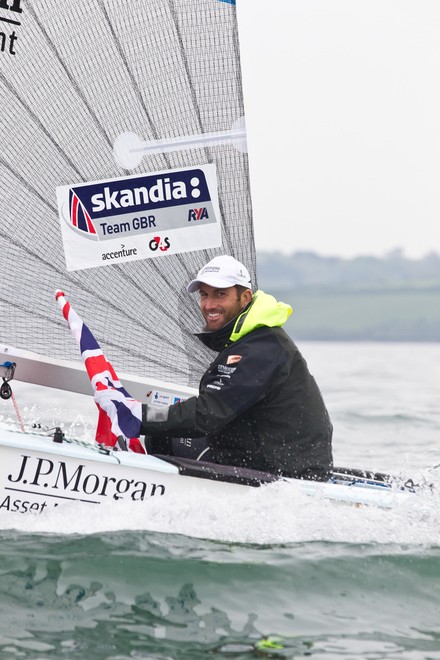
[[37, 474]]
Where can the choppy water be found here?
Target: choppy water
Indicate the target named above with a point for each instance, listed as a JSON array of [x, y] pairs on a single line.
[[208, 578]]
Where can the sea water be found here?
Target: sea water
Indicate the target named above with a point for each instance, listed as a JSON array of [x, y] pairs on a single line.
[[273, 573]]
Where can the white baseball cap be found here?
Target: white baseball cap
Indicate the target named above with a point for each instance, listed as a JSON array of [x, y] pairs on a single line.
[[221, 273]]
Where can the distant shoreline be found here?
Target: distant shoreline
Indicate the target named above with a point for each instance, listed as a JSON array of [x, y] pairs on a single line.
[[393, 299]]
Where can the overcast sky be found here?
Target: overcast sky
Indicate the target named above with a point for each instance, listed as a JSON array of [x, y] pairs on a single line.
[[343, 111]]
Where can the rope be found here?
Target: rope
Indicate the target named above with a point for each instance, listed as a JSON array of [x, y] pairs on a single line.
[[17, 412]]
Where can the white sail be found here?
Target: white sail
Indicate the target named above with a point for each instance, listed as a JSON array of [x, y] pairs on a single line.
[[81, 77]]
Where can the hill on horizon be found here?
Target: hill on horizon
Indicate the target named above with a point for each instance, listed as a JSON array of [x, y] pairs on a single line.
[[390, 298], [311, 269]]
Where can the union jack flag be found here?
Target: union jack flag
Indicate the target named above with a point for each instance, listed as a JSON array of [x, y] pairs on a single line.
[[121, 418]]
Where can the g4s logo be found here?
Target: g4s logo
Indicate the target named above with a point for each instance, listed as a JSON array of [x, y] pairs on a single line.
[[158, 243]]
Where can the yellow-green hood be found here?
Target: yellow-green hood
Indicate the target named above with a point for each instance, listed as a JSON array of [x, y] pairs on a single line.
[[264, 310]]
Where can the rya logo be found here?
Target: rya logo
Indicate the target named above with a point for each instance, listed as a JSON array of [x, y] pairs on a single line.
[[198, 214], [157, 243]]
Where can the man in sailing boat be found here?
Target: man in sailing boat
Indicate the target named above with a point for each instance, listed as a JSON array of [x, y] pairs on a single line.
[[258, 405]]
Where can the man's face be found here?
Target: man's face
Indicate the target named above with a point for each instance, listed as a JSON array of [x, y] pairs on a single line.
[[219, 306]]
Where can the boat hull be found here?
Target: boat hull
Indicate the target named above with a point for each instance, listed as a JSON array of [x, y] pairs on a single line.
[[38, 474]]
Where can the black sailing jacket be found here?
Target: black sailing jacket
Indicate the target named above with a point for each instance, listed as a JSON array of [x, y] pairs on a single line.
[[258, 404]]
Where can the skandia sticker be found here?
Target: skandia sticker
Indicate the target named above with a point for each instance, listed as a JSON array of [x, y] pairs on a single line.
[[139, 217]]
